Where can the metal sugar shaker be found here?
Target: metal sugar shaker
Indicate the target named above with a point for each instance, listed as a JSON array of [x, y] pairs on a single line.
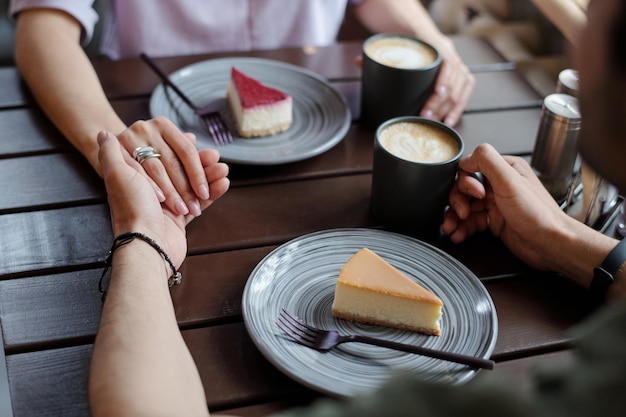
[[568, 82], [556, 145]]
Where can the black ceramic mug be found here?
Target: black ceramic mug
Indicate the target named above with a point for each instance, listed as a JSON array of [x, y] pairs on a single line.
[[414, 169], [398, 76]]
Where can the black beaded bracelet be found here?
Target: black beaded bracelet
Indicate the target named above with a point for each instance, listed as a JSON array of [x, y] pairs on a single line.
[[175, 279]]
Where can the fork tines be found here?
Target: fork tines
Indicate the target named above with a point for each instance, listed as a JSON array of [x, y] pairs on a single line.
[[218, 129], [295, 329]]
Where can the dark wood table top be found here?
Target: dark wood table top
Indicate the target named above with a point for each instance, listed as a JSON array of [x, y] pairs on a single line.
[[56, 231]]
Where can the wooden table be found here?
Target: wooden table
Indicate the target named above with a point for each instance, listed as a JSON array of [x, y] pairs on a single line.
[[56, 231]]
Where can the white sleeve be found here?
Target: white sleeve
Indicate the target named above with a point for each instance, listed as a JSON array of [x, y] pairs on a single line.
[[81, 10]]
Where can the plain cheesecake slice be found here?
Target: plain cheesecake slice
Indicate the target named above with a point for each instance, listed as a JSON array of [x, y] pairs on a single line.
[[370, 290], [258, 110]]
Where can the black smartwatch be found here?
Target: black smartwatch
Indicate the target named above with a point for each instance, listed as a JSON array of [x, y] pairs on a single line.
[[604, 275]]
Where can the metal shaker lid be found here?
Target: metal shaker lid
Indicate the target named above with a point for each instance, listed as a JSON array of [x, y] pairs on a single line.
[[568, 82], [563, 107]]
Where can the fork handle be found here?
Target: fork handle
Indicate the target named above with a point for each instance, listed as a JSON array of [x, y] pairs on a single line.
[[472, 361], [166, 79]]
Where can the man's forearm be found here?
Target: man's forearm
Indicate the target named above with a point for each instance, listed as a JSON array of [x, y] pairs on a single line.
[[399, 16], [140, 363]]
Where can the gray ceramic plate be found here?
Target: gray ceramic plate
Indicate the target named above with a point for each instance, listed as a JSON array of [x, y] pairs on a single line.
[[321, 116], [300, 276]]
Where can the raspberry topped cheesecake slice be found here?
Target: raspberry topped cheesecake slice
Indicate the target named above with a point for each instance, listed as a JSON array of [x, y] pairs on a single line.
[[258, 110]]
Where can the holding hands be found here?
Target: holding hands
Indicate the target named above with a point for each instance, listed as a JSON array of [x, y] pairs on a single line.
[[138, 336], [134, 205], [177, 176]]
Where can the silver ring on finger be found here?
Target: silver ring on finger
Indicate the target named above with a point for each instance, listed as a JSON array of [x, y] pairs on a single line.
[[145, 152]]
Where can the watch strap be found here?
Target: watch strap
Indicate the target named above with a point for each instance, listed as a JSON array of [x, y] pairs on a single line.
[[604, 275]]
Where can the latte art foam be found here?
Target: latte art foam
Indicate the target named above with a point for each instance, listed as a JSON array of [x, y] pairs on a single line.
[[418, 142], [400, 53]]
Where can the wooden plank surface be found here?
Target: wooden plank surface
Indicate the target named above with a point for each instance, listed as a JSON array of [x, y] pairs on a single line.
[[499, 90], [28, 132], [509, 131], [244, 375], [39, 241], [13, 92], [328, 203], [131, 78], [50, 383], [59, 309], [56, 232], [45, 181], [6, 406]]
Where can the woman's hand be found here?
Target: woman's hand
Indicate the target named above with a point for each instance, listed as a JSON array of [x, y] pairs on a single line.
[[136, 208], [178, 176], [511, 202], [453, 86]]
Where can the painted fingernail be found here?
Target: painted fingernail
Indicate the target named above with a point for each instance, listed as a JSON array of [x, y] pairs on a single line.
[[180, 207], [428, 114], [450, 121], [442, 91], [159, 194], [204, 192], [194, 208]]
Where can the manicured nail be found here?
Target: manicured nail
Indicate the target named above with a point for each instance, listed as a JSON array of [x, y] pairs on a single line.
[[428, 114], [450, 121], [204, 192], [194, 208], [160, 195], [442, 91], [181, 208]]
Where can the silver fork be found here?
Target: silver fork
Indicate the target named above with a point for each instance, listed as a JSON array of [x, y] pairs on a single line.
[[324, 340], [212, 118]]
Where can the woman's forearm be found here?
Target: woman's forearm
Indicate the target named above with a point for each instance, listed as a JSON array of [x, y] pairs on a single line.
[[62, 79]]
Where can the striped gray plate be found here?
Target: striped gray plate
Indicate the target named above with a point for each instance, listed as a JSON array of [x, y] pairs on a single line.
[[300, 276], [321, 116]]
